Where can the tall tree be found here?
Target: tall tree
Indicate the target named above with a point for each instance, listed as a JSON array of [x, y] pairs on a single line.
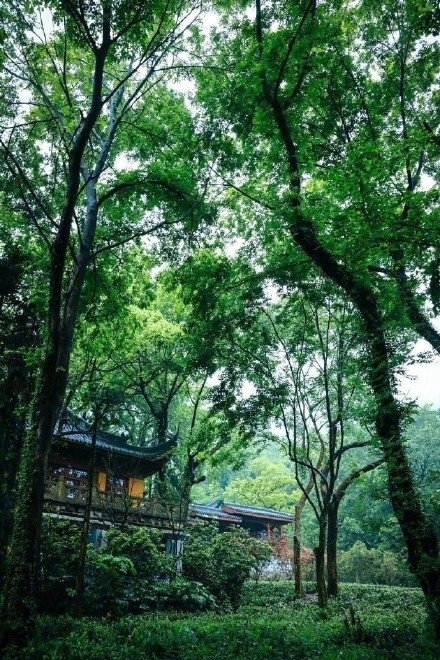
[[87, 75], [323, 166], [19, 339], [321, 401]]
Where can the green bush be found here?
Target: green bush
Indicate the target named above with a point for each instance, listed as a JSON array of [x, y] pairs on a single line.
[[125, 576], [185, 595], [131, 574], [60, 543], [119, 578], [144, 547], [110, 584], [222, 562], [198, 562], [373, 566], [387, 622]]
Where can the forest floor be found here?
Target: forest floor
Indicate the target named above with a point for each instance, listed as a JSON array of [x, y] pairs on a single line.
[[364, 622]]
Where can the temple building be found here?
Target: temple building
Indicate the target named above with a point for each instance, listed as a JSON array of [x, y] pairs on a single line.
[[261, 522], [212, 513], [119, 494]]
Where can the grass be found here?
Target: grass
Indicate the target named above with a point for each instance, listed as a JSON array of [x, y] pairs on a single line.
[[364, 622]]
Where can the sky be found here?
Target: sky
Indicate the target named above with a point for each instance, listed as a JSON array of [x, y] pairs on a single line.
[[423, 383]]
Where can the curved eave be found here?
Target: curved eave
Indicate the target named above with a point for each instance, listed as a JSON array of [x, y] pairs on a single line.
[[210, 513], [259, 514], [157, 453]]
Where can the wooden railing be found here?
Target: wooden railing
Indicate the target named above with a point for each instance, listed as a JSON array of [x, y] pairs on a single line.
[[58, 490]]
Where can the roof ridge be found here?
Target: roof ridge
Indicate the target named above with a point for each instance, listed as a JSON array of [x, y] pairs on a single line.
[[251, 506], [76, 429], [218, 505]]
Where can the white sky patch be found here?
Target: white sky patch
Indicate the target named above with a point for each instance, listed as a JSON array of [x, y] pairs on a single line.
[[232, 248], [422, 382], [124, 164], [214, 380], [185, 87], [247, 390], [425, 386], [272, 293], [426, 181], [375, 73], [210, 19]]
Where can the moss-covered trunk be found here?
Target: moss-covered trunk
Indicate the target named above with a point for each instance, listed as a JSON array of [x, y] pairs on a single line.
[[417, 531], [12, 426], [21, 586]]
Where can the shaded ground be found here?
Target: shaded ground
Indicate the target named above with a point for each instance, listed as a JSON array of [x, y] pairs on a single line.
[[365, 622]]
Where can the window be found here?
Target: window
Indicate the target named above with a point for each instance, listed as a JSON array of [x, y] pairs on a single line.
[[75, 480], [116, 485], [78, 474]]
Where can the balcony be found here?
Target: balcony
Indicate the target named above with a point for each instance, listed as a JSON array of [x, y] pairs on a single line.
[[66, 498]]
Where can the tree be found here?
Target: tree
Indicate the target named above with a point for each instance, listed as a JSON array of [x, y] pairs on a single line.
[[87, 79], [314, 164], [323, 407], [99, 402], [148, 349], [265, 481], [19, 332]]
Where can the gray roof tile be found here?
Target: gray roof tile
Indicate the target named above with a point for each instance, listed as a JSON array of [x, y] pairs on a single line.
[[78, 431]]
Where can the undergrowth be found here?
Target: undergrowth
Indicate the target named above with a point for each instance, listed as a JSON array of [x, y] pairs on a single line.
[[363, 622]]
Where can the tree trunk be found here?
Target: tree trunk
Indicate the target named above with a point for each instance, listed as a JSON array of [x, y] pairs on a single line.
[[21, 587], [319, 553], [417, 531], [332, 540], [299, 588], [11, 438], [332, 524], [86, 525], [21, 577], [161, 480]]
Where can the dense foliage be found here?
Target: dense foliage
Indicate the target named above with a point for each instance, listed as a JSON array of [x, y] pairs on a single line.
[[132, 573], [219, 228], [364, 622], [223, 562]]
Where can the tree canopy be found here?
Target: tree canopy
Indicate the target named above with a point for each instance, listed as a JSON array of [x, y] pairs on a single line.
[[219, 224]]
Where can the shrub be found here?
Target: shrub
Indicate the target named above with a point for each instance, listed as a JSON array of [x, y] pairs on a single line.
[[236, 554], [144, 547], [199, 562], [119, 578], [60, 543], [222, 562], [124, 575], [373, 566], [111, 587], [186, 595]]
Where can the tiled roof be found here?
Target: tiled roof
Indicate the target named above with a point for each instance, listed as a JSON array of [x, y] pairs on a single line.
[[231, 512], [206, 511], [78, 431], [257, 512]]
